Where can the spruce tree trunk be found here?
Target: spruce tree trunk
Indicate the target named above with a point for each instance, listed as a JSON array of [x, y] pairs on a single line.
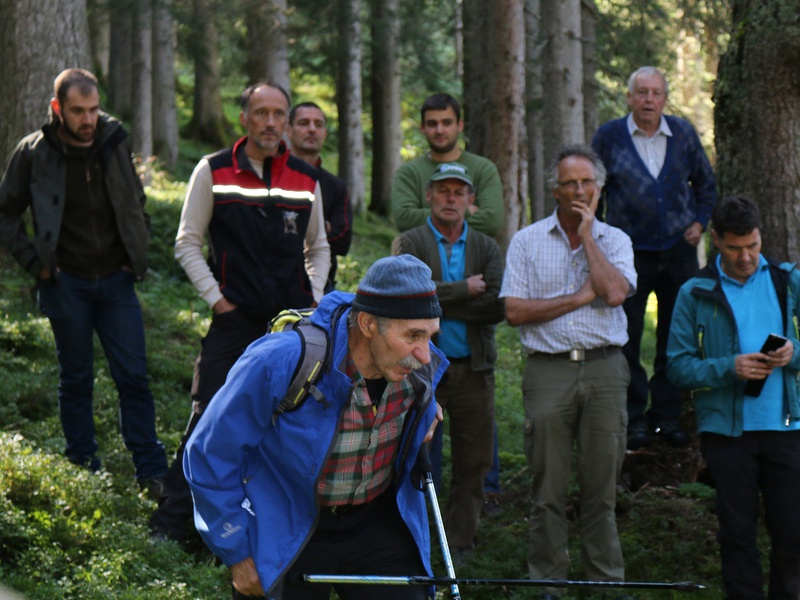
[[348, 99], [386, 133], [267, 48], [33, 51], [99, 36], [494, 99], [142, 122], [589, 88], [540, 200], [563, 76], [505, 139], [208, 119], [477, 70], [757, 117], [165, 116], [121, 59]]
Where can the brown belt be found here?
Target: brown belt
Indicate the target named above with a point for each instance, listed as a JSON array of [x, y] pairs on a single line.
[[581, 355]]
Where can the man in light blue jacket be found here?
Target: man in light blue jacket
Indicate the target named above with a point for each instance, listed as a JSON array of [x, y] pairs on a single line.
[[328, 487], [750, 440]]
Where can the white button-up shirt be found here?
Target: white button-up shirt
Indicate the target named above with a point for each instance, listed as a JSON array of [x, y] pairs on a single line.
[[541, 264]]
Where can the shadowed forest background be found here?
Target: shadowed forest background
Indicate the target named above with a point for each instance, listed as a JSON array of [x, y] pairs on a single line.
[[532, 75]]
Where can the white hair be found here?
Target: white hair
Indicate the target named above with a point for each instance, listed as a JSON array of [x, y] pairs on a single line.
[[647, 71]]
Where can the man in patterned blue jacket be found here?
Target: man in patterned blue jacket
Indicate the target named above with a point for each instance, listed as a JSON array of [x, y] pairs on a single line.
[[660, 191], [326, 488]]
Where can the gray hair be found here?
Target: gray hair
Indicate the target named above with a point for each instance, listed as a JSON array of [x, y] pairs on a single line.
[[244, 99], [647, 71], [580, 151], [352, 321]]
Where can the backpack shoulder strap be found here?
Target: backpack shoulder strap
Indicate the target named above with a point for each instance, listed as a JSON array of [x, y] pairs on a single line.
[[315, 359], [313, 353]]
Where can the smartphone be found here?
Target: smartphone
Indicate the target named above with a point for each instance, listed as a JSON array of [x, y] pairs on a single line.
[[753, 387]]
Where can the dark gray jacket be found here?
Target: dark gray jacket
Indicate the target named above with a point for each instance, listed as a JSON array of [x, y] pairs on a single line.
[[36, 178]]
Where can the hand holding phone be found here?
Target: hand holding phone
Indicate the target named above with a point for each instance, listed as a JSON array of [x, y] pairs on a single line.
[[753, 387]]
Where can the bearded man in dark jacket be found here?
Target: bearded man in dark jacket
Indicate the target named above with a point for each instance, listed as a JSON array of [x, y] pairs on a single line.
[[88, 248]]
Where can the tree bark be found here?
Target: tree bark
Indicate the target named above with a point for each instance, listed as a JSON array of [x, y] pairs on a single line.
[[99, 36], [33, 51], [589, 64], [540, 200], [267, 48], [208, 120], [121, 58], [348, 100], [165, 116], [757, 118], [142, 122], [563, 75], [494, 99], [386, 132], [505, 140], [477, 108], [459, 38]]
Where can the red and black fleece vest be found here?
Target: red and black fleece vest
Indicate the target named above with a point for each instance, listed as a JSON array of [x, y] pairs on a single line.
[[257, 230]]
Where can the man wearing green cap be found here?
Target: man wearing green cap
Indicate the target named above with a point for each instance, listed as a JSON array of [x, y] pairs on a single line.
[[467, 267], [441, 125]]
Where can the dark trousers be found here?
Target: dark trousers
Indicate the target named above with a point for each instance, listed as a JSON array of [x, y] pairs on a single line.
[[468, 400], [77, 308], [369, 540], [765, 463], [664, 273], [228, 336]]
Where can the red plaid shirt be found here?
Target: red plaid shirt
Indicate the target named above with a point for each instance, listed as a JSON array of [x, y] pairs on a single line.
[[361, 463]]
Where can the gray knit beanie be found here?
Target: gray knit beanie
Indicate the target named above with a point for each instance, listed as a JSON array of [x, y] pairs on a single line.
[[398, 287]]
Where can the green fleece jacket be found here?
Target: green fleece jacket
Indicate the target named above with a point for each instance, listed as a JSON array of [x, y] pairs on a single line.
[[410, 208]]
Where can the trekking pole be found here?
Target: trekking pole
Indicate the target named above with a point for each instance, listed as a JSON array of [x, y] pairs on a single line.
[[683, 586], [424, 463]]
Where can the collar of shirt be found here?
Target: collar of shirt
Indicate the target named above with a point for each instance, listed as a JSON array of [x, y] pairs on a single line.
[[597, 229], [451, 255], [634, 129], [763, 265], [442, 239]]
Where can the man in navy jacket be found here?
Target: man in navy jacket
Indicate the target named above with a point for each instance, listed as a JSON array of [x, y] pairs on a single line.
[[660, 191]]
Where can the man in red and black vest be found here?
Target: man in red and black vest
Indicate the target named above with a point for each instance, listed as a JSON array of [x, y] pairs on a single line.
[[261, 208]]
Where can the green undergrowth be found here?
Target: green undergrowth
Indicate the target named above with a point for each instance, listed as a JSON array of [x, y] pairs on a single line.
[[66, 533]]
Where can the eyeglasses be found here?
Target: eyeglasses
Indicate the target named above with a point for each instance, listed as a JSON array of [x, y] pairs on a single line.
[[572, 185]]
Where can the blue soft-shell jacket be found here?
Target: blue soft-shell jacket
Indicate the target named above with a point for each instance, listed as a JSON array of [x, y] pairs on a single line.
[[254, 478], [704, 342]]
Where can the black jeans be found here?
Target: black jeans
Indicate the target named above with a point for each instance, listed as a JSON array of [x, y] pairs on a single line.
[[765, 462], [228, 336], [663, 273], [369, 540]]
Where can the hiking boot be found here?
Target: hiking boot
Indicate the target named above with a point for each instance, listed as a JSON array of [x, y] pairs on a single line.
[[673, 435], [151, 488], [638, 436], [491, 505]]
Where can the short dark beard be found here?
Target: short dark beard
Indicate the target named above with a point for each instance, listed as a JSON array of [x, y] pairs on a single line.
[[444, 149], [74, 135]]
